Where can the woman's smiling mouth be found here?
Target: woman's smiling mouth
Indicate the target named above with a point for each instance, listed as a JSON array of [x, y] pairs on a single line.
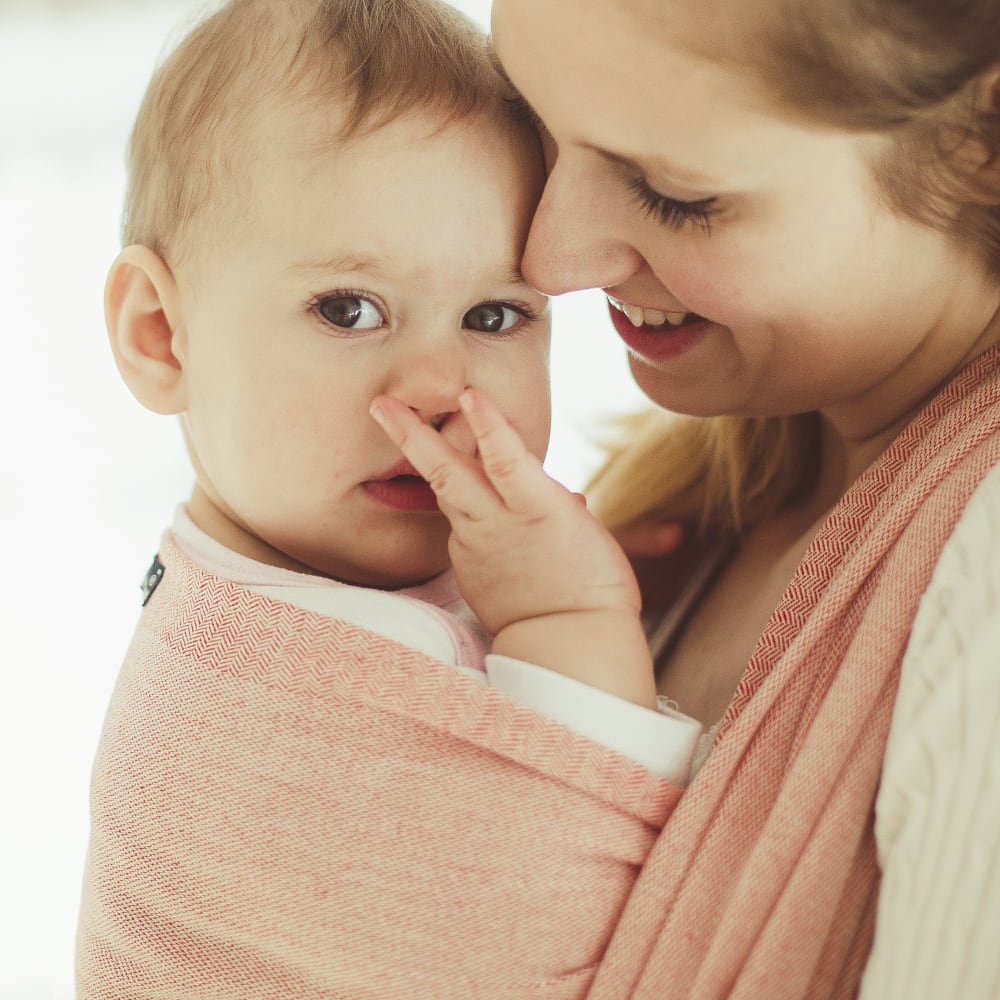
[[641, 316], [656, 336]]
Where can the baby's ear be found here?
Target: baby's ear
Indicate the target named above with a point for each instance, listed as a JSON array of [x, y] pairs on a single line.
[[142, 311]]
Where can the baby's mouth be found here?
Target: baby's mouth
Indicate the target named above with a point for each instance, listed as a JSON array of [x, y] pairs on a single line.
[[656, 319], [405, 491]]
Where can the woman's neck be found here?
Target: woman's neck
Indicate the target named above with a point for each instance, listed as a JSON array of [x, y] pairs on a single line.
[[857, 431]]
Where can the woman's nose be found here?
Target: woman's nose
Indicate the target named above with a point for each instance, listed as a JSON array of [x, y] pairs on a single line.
[[578, 239]]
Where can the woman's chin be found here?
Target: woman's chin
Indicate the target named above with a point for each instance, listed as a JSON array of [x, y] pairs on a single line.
[[671, 392]]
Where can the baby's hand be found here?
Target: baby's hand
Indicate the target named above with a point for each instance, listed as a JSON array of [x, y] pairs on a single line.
[[543, 575]]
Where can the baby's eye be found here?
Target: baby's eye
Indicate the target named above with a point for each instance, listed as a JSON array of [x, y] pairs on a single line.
[[492, 317], [350, 312]]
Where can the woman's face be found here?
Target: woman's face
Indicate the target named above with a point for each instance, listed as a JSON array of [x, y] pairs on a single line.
[[680, 188]]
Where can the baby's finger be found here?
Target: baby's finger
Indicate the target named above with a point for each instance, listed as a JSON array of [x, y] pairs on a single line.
[[456, 479], [515, 473]]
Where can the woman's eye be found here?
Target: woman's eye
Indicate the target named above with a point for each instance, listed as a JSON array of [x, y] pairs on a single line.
[[350, 312], [492, 317], [671, 212]]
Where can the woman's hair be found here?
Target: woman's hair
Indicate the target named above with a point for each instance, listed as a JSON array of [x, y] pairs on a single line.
[[720, 473], [918, 72], [361, 63]]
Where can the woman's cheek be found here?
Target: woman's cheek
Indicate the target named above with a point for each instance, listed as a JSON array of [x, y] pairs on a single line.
[[728, 280], [711, 291]]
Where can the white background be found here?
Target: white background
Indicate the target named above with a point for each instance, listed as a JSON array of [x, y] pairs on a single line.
[[89, 478]]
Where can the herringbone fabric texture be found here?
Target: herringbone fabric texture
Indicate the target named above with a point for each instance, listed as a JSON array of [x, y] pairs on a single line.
[[289, 806]]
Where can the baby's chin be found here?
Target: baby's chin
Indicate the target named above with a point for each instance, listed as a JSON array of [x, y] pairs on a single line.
[[400, 572], [411, 558], [395, 581]]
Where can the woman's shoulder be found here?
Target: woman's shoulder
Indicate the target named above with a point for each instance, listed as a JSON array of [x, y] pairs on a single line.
[[964, 591], [938, 808], [960, 605], [949, 692]]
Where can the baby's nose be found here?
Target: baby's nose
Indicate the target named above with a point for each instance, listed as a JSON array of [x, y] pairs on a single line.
[[429, 383]]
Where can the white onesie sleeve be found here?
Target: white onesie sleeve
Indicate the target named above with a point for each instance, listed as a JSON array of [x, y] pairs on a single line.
[[664, 742]]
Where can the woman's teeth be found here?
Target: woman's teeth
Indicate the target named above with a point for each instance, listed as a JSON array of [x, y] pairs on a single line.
[[654, 317], [638, 316]]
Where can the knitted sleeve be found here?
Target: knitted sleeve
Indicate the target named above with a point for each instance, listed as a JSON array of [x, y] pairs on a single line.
[[938, 810]]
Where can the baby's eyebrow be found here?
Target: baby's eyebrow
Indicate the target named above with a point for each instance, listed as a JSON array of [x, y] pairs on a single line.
[[337, 264], [508, 273]]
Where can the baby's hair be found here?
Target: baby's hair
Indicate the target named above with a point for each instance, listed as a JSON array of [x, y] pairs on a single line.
[[917, 72], [364, 63]]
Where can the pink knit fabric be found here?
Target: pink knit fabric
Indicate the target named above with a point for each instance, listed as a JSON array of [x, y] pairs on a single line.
[[285, 807]]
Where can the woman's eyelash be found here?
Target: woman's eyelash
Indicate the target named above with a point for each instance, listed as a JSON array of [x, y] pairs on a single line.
[[669, 211]]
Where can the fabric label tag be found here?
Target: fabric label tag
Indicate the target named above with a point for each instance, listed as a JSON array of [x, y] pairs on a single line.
[[152, 579]]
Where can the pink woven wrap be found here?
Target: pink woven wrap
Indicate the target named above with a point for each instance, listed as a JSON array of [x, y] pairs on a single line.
[[289, 806], [764, 880], [284, 806]]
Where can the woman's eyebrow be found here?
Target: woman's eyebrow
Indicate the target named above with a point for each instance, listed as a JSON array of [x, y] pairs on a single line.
[[502, 73], [682, 175], [516, 97]]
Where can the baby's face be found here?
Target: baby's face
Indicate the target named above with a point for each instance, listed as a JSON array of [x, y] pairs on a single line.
[[390, 265]]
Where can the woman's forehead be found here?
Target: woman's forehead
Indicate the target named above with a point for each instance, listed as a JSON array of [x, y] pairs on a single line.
[[737, 34], [714, 24], [596, 32], [579, 68], [582, 68]]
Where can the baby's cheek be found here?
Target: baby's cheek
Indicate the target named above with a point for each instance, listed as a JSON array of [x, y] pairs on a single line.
[[534, 427]]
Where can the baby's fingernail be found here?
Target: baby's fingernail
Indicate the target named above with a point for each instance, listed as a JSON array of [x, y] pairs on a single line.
[[465, 401], [377, 412]]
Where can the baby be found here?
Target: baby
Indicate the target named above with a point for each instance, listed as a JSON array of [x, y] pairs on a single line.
[[327, 205], [315, 219], [308, 226]]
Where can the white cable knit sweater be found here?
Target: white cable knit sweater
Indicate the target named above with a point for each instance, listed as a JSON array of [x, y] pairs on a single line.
[[937, 934]]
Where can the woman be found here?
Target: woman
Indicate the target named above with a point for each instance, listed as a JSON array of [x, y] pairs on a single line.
[[793, 210]]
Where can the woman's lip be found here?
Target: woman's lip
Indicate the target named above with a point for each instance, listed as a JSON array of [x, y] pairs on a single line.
[[657, 344], [403, 493]]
